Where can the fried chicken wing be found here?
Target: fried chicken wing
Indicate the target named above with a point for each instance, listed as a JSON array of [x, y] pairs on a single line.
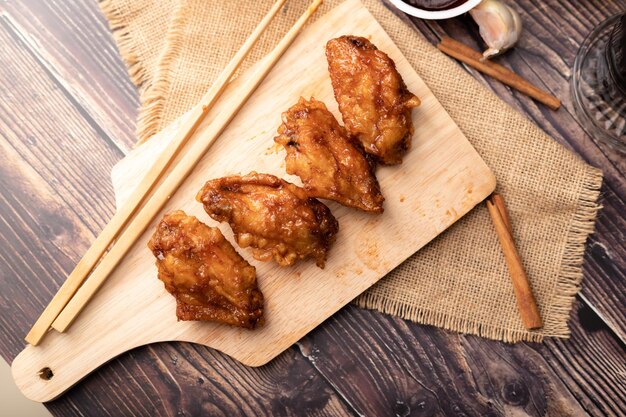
[[373, 99], [276, 218], [330, 164], [205, 274]]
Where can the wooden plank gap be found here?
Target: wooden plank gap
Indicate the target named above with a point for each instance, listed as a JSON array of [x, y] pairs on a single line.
[[340, 394], [619, 337]]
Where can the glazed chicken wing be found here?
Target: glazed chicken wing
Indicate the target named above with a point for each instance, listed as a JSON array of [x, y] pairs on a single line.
[[205, 274], [373, 99], [277, 219], [330, 163]]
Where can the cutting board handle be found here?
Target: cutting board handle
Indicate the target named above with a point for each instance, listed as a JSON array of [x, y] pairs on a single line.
[[45, 372]]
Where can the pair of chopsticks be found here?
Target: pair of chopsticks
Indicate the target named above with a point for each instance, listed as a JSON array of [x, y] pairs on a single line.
[[475, 59], [526, 303], [129, 223]]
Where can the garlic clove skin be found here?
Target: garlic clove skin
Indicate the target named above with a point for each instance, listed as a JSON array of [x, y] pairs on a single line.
[[499, 25]]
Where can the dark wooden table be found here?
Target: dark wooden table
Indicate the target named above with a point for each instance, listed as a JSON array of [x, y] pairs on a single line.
[[67, 114]]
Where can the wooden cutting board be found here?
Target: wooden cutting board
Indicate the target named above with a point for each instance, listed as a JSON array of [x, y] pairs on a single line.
[[441, 179]]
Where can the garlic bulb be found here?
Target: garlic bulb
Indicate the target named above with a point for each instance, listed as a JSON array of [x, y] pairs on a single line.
[[500, 26]]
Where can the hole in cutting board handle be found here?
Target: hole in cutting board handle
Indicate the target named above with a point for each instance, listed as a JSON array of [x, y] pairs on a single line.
[[45, 373]]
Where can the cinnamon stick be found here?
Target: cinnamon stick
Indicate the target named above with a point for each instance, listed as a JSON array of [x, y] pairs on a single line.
[[526, 302], [473, 58], [498, 200]]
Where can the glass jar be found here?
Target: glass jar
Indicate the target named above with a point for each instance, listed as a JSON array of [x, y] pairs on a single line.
[[599, 82]]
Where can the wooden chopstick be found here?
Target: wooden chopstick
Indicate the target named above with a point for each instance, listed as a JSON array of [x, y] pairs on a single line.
[[172, 182], [154, 174], [526, 303], [475, 60]]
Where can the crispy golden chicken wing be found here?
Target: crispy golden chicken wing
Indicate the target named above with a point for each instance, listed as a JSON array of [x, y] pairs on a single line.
[[373, 99], [205, 274], [330, 164], [277, 219]]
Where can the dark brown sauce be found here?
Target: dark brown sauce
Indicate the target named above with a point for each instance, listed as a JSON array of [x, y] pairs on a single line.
[[435, 4]]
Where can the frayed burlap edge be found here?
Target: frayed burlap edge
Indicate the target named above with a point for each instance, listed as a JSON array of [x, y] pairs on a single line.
[[125, 43], [151, 111], [567, 285]]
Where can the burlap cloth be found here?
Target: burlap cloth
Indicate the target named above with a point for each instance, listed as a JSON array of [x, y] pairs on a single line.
[[175, 48]]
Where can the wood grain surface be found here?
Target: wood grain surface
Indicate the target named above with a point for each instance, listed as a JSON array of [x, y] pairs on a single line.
[[354, 364]]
